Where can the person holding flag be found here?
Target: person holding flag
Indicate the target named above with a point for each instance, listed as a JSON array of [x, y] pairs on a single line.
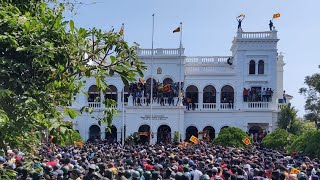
[[275, 16], [240, 19]]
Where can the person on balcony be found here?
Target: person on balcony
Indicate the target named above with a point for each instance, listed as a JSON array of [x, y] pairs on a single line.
[[134, 98], [284, 97], [139, 95], [148, 98], [170, 98], [245, 94], [193, 103], [270, 25], [264, 95]]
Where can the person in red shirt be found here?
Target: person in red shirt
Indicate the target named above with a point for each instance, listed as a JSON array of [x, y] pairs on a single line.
[[245, 94]]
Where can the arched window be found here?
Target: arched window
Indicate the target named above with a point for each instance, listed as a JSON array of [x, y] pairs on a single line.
[[209, 94], [227, 94], [94, 94], [252, 67], [192, 93], [111, 93], [261, 67]]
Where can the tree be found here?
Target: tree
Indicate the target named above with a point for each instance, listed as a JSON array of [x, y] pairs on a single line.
[[308, 143], [279, 139], [230, 136], [287, 118], [312, 93], [43, 63]]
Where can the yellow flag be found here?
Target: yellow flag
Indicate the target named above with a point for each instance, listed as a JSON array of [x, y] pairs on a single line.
[[194, 139], [246, 141], [294, 171], [277, 15]]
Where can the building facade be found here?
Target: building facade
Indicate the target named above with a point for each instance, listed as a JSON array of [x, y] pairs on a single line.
[[242, 90]]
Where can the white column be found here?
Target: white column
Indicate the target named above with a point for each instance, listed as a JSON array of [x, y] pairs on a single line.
[[101, 99], [119, 105], [218, 100], [130, 100], [200, 100]]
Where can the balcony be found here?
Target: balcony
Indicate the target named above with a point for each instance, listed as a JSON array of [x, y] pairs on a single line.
[[208, 65], [207, 60], [258, 105], [160, 52], [257, 35], [99, 106]]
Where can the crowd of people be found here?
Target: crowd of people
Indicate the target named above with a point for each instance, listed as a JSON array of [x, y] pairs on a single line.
[[141, 91], [257, 94], [101, 160]]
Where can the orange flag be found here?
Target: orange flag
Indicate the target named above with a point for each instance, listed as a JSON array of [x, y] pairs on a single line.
[[121, 30], [277, 15], [176, 30], [246, 141]]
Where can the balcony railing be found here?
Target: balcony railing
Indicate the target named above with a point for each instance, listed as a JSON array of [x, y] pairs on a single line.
[[95, 105], [257, 35], [226, 106], [258, 105], [209, 106], [207, 59], [209, 70], [160, 52], [196, 106]]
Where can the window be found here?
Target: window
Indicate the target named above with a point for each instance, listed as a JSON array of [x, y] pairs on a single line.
[[94, 94], [209, 94], [227, 94], [261, 67], [111, 93], [192, 93], [252, 67]]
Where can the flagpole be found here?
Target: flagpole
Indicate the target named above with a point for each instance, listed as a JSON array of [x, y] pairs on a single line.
[[151, 72], [123, 123], [180, 79]]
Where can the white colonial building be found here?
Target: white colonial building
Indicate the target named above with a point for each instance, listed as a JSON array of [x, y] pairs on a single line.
[[213, 90]]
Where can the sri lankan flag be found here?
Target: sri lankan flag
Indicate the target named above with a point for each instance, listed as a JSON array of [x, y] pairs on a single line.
[[121, 30], [246, 141], [194, 139], [176, 30], [277, 15]]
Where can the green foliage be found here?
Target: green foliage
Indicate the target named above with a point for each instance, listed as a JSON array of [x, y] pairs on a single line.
[[230, 136], [312, 94], [43, 63], [176, 137], [308, 143], [308, 126], [288, 119], [278, 139]]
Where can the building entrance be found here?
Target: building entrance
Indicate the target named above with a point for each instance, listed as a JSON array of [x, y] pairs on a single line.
[[164, 134], [144, 134]]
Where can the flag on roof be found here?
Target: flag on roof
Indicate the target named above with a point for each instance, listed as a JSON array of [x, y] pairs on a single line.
[[176, 30], [277, 15]]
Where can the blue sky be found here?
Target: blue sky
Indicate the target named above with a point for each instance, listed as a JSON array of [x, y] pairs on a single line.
[[209, 27]]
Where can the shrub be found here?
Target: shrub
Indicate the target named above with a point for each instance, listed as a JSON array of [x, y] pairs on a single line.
[[230, 136], [279, 139], [308, 143]]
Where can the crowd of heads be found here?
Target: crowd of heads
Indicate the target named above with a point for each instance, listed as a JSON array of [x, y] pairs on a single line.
[[100, 160], [141, 91], [257, 94]]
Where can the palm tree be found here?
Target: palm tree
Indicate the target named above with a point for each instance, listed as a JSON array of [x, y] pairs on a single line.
[[286, 117]]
